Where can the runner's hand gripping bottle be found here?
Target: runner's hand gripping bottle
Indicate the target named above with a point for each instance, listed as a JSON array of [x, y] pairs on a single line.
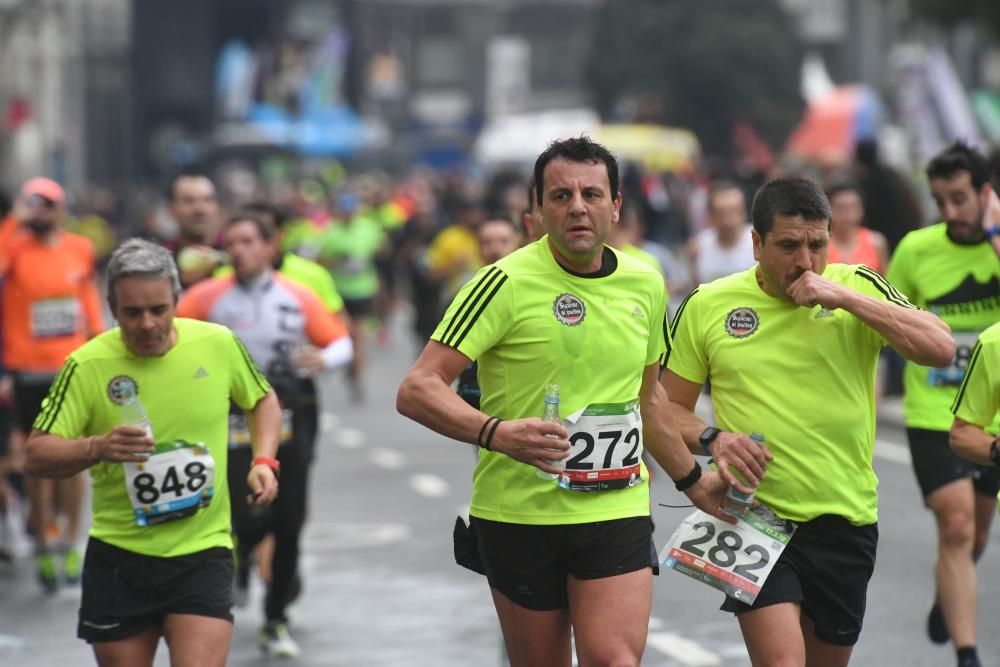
[[737, 503], [551, 414]]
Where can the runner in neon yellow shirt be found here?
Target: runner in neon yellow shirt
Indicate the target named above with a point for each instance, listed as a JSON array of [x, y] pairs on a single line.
[[973, 433], [159, 560], [791, 347], [568, 310], [953, 270]]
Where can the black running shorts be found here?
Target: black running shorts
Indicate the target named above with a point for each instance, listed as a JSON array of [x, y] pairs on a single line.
[[529, 564], [825, 568], [124, 593]]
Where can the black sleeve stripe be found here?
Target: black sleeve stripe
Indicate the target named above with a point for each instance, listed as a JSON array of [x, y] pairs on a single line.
[[680, 311], [973, 358], [673, 327], [883, 286], [666, 341], [252, 365], [464, 311], [885, 283], [479, 312], [57, 394]]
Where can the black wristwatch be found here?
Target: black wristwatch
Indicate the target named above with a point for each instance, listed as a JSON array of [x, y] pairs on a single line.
[[995, 451], [706, 438]]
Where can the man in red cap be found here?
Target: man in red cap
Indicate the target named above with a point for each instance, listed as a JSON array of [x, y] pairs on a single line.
[[49, 306]]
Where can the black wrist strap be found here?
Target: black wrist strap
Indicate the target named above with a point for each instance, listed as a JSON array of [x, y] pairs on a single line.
[[688, 480], [489, 438], [479, 440]]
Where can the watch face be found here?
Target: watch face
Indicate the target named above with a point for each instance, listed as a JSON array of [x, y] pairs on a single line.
[[708, 435]]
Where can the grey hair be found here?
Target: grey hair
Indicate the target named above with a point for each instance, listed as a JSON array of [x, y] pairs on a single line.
[[143, 259]]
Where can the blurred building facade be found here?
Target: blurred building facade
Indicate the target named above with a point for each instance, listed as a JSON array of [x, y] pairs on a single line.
[[64, 90]]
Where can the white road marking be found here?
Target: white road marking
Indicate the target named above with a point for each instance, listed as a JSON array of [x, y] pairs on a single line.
[[349, 438], [890, 451], [328, 422], [655, 623], [340, 535], [429, 485], [390, 459], [683, 650]]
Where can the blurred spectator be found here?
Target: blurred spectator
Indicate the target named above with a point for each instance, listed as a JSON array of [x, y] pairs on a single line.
[[46, 315], [195, 208], [850, 241], [531, 218], [726, 246], [891, 206]]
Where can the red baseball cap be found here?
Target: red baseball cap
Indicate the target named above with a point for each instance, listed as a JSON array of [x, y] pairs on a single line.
[[43, 187]]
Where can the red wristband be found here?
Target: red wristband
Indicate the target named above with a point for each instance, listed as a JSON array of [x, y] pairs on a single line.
[[273, 464]]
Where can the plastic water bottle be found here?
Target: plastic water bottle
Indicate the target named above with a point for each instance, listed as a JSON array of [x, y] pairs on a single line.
[[133, 412], [550, 413], [736, 503]]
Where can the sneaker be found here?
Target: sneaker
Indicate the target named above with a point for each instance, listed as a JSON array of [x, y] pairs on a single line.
[[47, 575], [937, 630], [276, 641], [72, 565]]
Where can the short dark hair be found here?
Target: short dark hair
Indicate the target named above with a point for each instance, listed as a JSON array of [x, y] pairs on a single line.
[[791, 197], [266, 209], [576, 149], [957, 158], [265, 228]]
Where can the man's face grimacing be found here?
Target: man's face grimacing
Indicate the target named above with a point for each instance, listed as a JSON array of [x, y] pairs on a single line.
[[252, 255], [145, 308], [578, 210], [195, 208], [793, 246], [961, 206]]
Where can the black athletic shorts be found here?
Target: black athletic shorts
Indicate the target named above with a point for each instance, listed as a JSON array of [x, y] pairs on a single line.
[[124, 593], [529, 564], [28, 397], [935, 464], [825, 568], [359, 307]]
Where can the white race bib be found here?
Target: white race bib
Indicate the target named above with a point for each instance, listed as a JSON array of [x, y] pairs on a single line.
[[953, 374], [176, 481], [52, 318], [606, 443], [239, 429], [736, 559]]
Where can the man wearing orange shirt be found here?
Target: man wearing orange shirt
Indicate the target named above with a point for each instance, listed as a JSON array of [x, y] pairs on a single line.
[[50, 306]]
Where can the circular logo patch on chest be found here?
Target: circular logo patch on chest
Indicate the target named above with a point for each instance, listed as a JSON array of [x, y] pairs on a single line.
[[569, 309], [742, 322], [122, 387]]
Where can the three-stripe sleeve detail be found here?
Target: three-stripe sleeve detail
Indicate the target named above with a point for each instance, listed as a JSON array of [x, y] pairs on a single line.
[[673, 326], [252, 365], [973, 358], [884, 286], [473, 306], [57, 395]]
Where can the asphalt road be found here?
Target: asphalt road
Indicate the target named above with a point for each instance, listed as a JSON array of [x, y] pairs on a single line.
[[381, 587]]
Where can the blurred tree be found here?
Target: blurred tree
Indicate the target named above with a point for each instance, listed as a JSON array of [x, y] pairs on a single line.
[[700, 65], [952, 12]]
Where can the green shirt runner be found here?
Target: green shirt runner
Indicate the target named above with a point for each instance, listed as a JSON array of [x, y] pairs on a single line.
[[186, 393], [817, 411], [529, 322]]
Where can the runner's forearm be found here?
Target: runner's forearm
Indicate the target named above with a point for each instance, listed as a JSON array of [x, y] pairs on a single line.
[[970, 442], [265, 425], [660, 435], [425, 398], [54, 457], [919, 336]]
